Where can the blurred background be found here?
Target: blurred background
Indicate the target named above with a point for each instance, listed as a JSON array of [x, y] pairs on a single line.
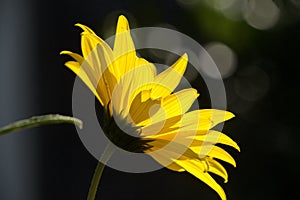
[[255, 44]]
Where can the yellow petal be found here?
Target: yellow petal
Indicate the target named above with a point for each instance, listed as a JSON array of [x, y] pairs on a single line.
[[147, 75], [164, 157], [191, 123], [100, 57], [165, 152], [89, 44], [145, 95], [219, 153], [141, 62], [75, 56], [85, 66], [197, 171], [85, 28], [128, 87], [106, 86], [173, 147], [96, 68], [79, 71], [89, 41], [204, 119], [168, 80], [214, 137], [216, 168], [161, 127], [101, 74], [175, 104], [175, 167], [124, 50], [140, 108]]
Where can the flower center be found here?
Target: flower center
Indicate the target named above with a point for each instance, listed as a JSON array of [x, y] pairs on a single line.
[[123, 134]]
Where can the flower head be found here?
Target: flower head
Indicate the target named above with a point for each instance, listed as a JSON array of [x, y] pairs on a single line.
[[143, 114]]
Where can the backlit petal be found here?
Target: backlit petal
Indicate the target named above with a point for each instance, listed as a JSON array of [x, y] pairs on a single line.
[[214, 137], [124, 50], [85, 28], [175, 104], [204, 119], [168, 80], [194, 121], [219, 153], [128, 87], [76, 68], [75, 56], [216, 168], [197, 171]]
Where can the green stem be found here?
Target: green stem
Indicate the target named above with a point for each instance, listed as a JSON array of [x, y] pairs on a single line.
[[38, 121], [98, 172]]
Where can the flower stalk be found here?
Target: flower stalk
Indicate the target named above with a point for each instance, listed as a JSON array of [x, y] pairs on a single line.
[[98, 171]]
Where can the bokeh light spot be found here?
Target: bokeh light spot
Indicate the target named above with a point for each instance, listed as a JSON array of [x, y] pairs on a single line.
[[220, 4], [223, 56], [261, 14]]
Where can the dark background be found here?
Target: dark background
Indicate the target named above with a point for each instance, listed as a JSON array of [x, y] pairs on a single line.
[[51, 162]]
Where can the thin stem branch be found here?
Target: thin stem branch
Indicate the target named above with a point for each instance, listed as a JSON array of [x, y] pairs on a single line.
[[38, 121], [98, 172]]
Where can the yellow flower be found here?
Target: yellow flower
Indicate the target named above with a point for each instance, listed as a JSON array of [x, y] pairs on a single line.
[[141, 102]]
